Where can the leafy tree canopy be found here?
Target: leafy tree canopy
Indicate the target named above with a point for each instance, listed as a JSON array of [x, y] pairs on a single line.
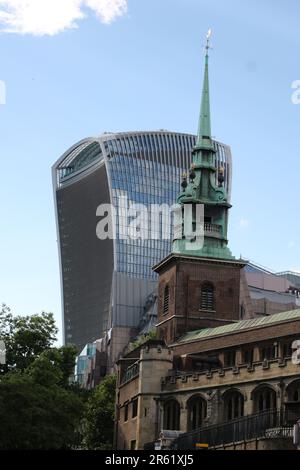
[[35, 416], [25, 337], [98, 427]]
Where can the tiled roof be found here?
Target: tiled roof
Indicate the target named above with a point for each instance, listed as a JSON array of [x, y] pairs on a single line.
[[239, 326]]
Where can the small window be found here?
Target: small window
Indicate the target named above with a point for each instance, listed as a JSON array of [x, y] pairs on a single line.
[[126, 412], [269, 352], [248, 356], [166, 300], [287, 350], [207, 297], [229, 359], [134, 408], [242, 312], [133, 445]]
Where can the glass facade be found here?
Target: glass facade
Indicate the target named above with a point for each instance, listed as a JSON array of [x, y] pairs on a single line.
[[104, 283], [147, 168]]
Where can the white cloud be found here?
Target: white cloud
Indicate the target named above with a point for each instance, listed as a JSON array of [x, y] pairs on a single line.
[[244, 223], [50, 17], [107, 10]]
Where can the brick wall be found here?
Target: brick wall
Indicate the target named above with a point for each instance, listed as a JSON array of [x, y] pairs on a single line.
[[185, 278]]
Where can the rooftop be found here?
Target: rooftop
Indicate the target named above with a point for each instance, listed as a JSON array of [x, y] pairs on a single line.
[[240, 326]]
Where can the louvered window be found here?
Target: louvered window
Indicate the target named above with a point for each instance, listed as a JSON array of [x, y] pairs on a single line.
[[166, 299], [207, 297]]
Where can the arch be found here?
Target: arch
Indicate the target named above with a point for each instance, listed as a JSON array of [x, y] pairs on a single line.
[[166, 299], [207, 296], [234, 402], [262, 386], [264, 397], [196, 412], [172, 415], [293, 391]]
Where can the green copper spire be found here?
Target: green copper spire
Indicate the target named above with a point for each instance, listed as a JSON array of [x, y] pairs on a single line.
[[204, 128], [204, 186]]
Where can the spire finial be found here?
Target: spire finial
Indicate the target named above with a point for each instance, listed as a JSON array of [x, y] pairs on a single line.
[[208, 36]]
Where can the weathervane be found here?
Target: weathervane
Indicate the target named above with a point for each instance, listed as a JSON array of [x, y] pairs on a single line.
[[208, 36]]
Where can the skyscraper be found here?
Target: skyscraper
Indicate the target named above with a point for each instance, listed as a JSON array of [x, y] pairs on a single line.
[[105, 282]]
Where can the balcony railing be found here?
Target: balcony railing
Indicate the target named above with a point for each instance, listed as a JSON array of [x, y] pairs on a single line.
[[267, 424], [131, 373], [212, 228]]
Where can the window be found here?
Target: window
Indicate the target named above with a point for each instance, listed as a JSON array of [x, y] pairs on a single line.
[[248, 356], [293, 391], [197, 412], [207, 297], [133, 445], [166, 300], [296, 395], [242, 312], [134, 408], [229, 359], [287, 350], [265, 399], [126, 412], [172, 416], [234, 405], [269, 352]]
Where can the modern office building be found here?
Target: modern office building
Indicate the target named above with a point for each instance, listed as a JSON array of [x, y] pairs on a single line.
[[293, 278], [105, 283]]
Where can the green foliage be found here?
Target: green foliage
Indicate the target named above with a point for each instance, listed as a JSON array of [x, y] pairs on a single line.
[[38, 408], [98, 425], [59, 363], [25, 337], [44, 372], [141, 340], [35, 416]]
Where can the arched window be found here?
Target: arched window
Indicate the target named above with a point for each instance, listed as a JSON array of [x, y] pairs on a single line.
[[207, 296], [233, 405], [172, 416], [166, 300], [197, 412], [293, 391], [265, 399]]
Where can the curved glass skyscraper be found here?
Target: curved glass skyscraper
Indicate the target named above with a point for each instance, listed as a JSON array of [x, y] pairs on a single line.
[[105, 283]]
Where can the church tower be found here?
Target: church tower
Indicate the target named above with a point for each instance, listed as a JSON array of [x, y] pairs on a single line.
[[199, 283]]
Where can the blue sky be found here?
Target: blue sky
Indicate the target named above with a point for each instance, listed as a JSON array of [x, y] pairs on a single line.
[[138, 65]]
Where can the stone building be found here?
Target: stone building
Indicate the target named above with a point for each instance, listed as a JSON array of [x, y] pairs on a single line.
[[210, 376]]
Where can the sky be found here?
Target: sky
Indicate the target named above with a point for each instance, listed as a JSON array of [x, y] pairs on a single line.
[[70, 69]]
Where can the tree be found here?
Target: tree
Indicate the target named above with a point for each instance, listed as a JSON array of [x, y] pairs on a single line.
[[35, 416], [56, 362], [38, 410], [98, 423], [25, 337]]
